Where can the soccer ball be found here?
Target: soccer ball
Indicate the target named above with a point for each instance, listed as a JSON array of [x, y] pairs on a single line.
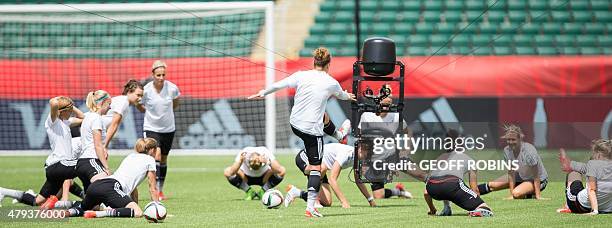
[[154, 212], [272, 199]]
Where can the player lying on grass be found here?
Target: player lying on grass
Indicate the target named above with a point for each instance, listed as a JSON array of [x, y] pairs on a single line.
[[531, 177], [60, 164], [254, 166], [447, 185], [115, 190], [597, 196], [337, 157]]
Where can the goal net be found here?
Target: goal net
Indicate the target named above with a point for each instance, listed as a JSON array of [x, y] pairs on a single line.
[[49, 50]]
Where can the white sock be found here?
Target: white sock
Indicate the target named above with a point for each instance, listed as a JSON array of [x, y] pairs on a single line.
[[63, 204], [15, 194], [395, 192], [312, 197], [296, 192], [104, 213]]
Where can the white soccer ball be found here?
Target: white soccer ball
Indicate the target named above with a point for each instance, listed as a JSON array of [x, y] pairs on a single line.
[[154, 212], [272, 199]]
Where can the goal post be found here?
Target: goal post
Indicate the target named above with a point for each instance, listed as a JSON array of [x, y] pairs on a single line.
[[70, 49]]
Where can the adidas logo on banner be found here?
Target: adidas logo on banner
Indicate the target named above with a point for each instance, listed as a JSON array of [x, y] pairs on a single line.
[[440, 116], [217, 129]]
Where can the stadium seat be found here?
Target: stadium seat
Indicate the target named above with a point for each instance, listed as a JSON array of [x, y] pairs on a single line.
[[481, 40], [517, 6], [546, 51], [318, 28], [517, 16], [525, 50], [594, 28], [460, 40], [408, 17], [537, 5], [565, 40], [433, 5], [475, 16], [452, 16], [530, 28], [440, 50], [600, 4], [604, 41], [466, 28], [445, 28], [438, 40], [346, 5], [368, 5], [551, 28], [603, 16], [569, 51], [412, 5], [487, 28], [461, 50], [477, 5], [522, 40], [560, 16], [495, 17], [424, 28], [591, 51], [418, 40], [391, 5], [418, 51], [386, 17], [586, 41], [481, 50], [582, 16], [453, 5], [344, 17], [431, 16], [403, 28], [501, 40], [572, 28], [382, 28], [578, 6], [504, 50], [367, 16], [509, 29]]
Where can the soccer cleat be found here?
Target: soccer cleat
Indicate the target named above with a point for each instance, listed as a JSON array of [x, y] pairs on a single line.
[[564, 210], [49, 203], [447, 211], [403, 192], [162, 196], [250, 194], [289, 198], [90, 214], [318, 205], [259, 194], [480, 212], [310, 213], [343, 130]]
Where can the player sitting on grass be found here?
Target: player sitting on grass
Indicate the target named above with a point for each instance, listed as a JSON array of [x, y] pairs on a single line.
[[115, 190], [337, 157], [448, 185], [597, 196], [254, 166], [60, 164], [530, 178]]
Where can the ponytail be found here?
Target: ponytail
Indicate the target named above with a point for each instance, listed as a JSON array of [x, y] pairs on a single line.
[[95, 98], [144, 145]]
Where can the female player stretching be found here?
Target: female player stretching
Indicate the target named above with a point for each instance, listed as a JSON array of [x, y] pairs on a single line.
[[597, 196], [314, 88], [159, 102], [93, 163], [60, 164], [115, 190]]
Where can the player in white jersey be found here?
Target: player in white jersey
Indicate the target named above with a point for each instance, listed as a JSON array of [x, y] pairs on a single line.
[[60, 164], [160, 100], [531, 177], [596, 198], [313, 89], [93, 161], [131, 95], [254, 166], [117, 191], [336, 158]]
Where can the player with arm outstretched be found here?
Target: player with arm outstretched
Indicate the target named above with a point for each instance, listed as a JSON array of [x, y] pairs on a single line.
[[254, 166], [531, 177], [131, 95], [336, 158], [314, 88], [115, 190], [597, 196], [60, 164]]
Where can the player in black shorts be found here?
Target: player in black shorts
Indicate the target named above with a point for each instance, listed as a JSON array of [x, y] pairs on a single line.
[[118, 190]]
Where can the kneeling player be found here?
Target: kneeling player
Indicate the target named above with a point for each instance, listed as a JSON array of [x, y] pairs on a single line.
[[448, 185], [255, 166], [597, 196], [336, 157], [115, 190]]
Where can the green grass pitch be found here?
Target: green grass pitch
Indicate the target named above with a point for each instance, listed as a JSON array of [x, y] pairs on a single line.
[[200, 196]]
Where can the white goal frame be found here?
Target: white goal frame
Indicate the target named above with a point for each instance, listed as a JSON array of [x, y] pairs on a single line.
[[267, 6]]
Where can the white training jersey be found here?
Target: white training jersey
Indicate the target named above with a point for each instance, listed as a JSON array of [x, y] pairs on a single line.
[[60, 141], [337, 152], [261, 150], [527, 158], [314, 88], [133, 170], [119, 105], [91, 122], [76, 146], [159, 115], [602, 171]]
